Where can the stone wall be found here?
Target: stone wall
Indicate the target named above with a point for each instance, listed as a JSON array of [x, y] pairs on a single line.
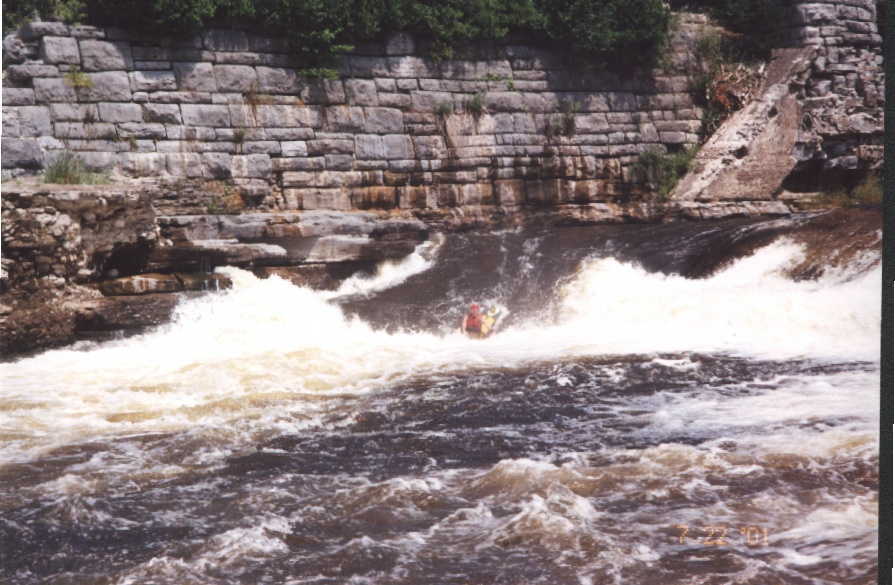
[[842, 127], [395, 131], [518, 128], [815, 125]]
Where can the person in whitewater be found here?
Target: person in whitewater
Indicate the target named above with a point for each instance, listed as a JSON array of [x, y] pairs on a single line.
[[472, 322], [479, 324]]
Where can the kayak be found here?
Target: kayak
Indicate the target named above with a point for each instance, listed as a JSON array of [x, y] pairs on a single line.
[[491, 320]]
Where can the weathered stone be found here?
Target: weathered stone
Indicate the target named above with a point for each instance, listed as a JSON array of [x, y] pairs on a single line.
[[294, 148], [143, 164], [14, 50], [37, 28], [238, 78], [251, 165], [400, 44], [18, 96], [225, 40], [362, 92], [344, 119], [195, 76], [369, 147], [120, 112], [82, 31], [184, 164], [339, 162], [328, 248], [397, 146], [108, 86], [21, 153], [28, 71], [327, 146], [60, 50], [278, 80], [323, 91], [141, 284], [205, 115], [105, 56], [153, 81], [141, 130], [162, 113], [384, 120]]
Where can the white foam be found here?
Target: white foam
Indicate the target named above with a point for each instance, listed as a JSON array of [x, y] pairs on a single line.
[[253, 358]]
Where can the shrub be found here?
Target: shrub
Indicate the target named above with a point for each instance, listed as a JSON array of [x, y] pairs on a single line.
[[661, 172], [616, 31], [69, 169], [755, 21], [77, 79], [476, 104], [444, 109], [619, 32]]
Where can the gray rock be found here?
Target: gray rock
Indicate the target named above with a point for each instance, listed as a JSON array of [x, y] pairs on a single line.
[[225, 40], [237, 78], [118, 112], [153, 81], [294, 148], [28, 71], [278, 80], [34, 121], [323, 91], [429, 147], [73, 112], [397, 146], [251, 165], [82, 31], [195, 77], [427, 101], [21, 153], [362, 92], [14, 50], [332, 248], [369, 147], [384, 120], [108, 86], [162, 113], [184, 164], [18, 96], [339, 162], [105, 56], [400, 44], [591, 123], [344, 119], [330, 146], [39, 28], [205, 115], [60, 50], [143, 164], [54, 90], [216, 165], [141, 130]]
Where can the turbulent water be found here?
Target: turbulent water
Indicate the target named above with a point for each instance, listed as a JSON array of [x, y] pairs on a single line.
[[630, 423]]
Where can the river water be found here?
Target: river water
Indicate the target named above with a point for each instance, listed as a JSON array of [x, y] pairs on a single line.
[[652, 411]]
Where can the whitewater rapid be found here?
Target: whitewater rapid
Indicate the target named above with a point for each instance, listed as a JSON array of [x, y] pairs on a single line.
[[233, 355]]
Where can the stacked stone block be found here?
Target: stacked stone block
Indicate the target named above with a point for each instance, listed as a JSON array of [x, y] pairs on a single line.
[[843, 124], [395, 130]]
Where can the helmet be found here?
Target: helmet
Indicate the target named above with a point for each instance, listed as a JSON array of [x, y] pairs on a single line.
[[473, 307]]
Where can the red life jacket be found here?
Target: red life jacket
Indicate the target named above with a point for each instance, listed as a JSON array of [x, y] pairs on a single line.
[[474, 322]]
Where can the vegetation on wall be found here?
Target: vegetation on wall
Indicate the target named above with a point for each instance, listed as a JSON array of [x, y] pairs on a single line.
[[754, 22], [608, 32], [660, 172]]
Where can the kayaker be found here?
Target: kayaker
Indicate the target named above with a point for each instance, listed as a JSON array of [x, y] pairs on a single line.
[[472, 323]]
